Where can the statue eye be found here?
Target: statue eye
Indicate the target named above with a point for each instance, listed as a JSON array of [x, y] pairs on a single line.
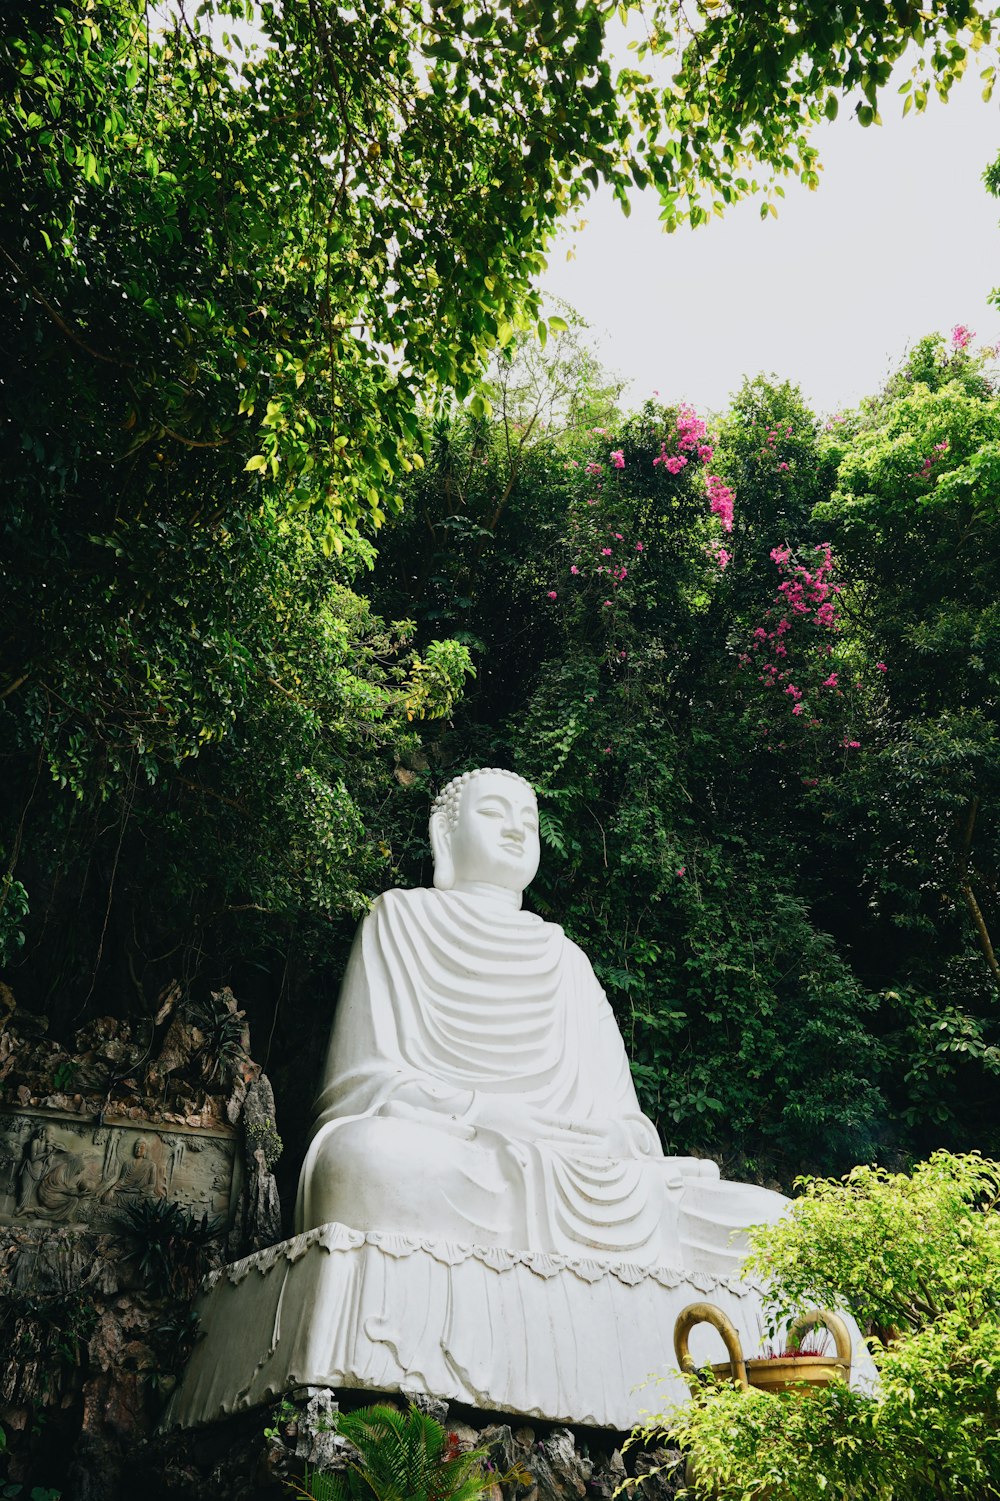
[[490, 811]]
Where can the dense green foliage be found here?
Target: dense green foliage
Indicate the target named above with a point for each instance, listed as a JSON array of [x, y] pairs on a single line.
[[918, 1257], [250, 288], [766, 754]]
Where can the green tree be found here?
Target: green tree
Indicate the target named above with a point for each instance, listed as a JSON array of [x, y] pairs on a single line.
[[915, 523], [680, 830]]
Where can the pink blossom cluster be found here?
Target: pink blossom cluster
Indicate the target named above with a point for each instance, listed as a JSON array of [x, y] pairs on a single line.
[[805, 590], [939, 451], [692, 435], [617, 458], [720, 500], [593, 469], [805, 594], [615, 572], [961, 337]]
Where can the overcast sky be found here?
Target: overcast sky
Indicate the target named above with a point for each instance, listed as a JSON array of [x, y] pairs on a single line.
[[900, 239]]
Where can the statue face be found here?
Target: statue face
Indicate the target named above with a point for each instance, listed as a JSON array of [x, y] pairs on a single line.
[[496, 837]]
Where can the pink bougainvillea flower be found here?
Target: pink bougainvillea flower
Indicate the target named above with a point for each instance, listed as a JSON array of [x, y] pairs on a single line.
[[682, 870], [720, 500], [796, 708], [574, 569], [607, 604], [675, 463], [638, 547], [705, 452], [552, 594], [831, 681], [961, 337], [605, 552], [617, 458], [782, 467], [880, 667]]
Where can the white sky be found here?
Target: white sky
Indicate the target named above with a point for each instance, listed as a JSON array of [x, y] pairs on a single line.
[[900, 239]]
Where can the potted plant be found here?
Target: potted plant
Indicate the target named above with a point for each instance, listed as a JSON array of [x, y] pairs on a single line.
[[794, 1368]]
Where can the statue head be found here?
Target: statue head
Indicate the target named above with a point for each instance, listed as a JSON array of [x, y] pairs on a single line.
[[484, 831]]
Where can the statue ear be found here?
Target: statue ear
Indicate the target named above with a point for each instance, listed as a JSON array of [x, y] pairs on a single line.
[[444, 865]]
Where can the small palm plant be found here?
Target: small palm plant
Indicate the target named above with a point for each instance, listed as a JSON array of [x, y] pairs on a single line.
[[394, 1456]]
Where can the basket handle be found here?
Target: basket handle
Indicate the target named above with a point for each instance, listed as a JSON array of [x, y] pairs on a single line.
[[707, 1313], [829, 1320]]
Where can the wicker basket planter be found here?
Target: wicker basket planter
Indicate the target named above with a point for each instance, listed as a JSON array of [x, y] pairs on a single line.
[[785, 1372]]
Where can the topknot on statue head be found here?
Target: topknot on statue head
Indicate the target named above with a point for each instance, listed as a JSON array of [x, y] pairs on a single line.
[[446, 811]]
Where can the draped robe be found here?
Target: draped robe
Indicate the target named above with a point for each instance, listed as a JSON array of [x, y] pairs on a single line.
[[449, 998]]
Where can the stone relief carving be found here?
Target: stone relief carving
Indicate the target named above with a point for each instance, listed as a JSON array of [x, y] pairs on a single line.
[[61, 1170]]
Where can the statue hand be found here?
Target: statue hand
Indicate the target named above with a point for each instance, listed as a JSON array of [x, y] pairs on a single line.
[[435, 1118], [694, 1167], [505, 1114], [598, 1136]]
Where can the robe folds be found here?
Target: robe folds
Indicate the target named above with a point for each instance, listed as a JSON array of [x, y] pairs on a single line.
[[449, 998]]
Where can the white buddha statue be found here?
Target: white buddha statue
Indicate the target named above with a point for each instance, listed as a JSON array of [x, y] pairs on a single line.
[[476, 1087]]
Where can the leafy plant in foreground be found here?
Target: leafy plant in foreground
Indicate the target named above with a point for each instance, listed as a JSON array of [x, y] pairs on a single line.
[[917, 1258], [396, 1456]]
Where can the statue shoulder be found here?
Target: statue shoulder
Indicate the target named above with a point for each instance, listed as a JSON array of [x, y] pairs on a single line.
[[584, 969], [400, 902]]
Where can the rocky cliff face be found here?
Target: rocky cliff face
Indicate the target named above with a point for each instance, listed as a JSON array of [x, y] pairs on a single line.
[[131, 1162]]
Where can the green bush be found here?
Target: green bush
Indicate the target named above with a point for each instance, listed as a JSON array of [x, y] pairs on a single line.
[[915, 1258], [392, 1456]]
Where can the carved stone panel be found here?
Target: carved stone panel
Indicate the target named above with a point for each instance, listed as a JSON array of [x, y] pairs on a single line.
[[58, 1169]]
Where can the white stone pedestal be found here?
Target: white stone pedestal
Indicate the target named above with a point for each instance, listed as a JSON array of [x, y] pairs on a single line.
[[570, 1340]]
